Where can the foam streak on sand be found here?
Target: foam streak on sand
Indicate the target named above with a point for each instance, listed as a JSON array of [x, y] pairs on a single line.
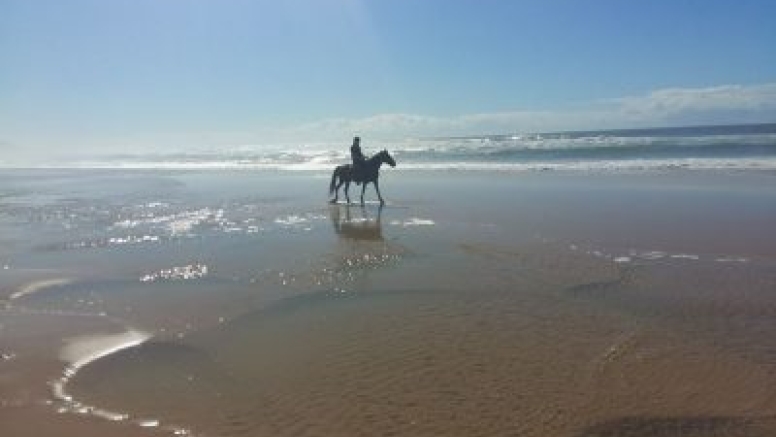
[[36, 286], [81, 351], [413, 221]]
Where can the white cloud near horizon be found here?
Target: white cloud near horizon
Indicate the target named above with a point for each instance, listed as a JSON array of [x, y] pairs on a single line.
[[670, 106], [680, 100]]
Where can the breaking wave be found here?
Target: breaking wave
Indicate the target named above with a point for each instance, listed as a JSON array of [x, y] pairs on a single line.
[[714, 147]]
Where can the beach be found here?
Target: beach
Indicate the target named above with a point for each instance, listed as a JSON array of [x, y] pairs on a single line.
[[239, 302]]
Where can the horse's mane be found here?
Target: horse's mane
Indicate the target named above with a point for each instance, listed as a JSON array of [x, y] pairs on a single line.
[[378, 155]]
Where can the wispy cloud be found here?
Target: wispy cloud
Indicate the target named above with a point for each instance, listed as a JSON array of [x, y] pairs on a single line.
[[670, 106], [726, 97], [678, 101]]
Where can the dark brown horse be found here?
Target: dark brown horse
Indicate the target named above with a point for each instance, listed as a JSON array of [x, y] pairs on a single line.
[[369, 172]]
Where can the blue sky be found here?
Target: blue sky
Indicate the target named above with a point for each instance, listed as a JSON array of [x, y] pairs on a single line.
[[134, 75]]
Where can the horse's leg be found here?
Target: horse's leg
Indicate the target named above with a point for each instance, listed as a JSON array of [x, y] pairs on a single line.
[[379, 196], [363, 188], [339, 185], [333, 185], [347, 187]]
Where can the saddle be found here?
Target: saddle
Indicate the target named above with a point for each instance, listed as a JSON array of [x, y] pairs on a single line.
[[358, 172]]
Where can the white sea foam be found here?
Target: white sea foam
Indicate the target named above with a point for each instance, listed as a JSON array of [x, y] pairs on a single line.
[[8, 356], [296, 220], [156, 205], [655, 255], [732, 259], [36, 286], [651, 255], [291, 220], [619, 165], [641, 256], [176, 224], [81, 351], [685, 256], [132, 239], [190, 271], [585, 165], [413, 221]]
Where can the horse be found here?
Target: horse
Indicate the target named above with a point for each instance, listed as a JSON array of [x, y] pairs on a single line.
[[369, 172]]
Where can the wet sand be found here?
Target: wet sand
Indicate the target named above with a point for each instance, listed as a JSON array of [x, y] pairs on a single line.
[[512, 304]]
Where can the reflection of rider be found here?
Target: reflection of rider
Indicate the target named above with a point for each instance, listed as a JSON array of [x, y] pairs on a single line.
[[358, 159]]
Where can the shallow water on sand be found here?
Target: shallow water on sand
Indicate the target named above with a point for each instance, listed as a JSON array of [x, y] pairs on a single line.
[[469, 305]]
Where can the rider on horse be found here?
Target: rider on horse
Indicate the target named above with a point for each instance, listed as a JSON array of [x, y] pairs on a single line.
[[362, 171], [358, 160]]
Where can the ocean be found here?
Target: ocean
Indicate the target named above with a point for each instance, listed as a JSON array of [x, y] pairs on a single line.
[[619, 292], [739, 147]]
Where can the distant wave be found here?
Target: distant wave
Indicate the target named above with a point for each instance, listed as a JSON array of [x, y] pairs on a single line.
[[723, 147]]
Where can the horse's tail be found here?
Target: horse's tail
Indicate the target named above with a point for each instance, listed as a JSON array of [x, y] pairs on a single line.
[[333, 183]]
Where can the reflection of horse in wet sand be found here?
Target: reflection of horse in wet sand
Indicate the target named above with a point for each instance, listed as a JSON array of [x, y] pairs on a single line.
[[344, 174], [363, 228]]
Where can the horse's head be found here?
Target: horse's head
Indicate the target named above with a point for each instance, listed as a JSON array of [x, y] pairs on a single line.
[[387, 158]]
